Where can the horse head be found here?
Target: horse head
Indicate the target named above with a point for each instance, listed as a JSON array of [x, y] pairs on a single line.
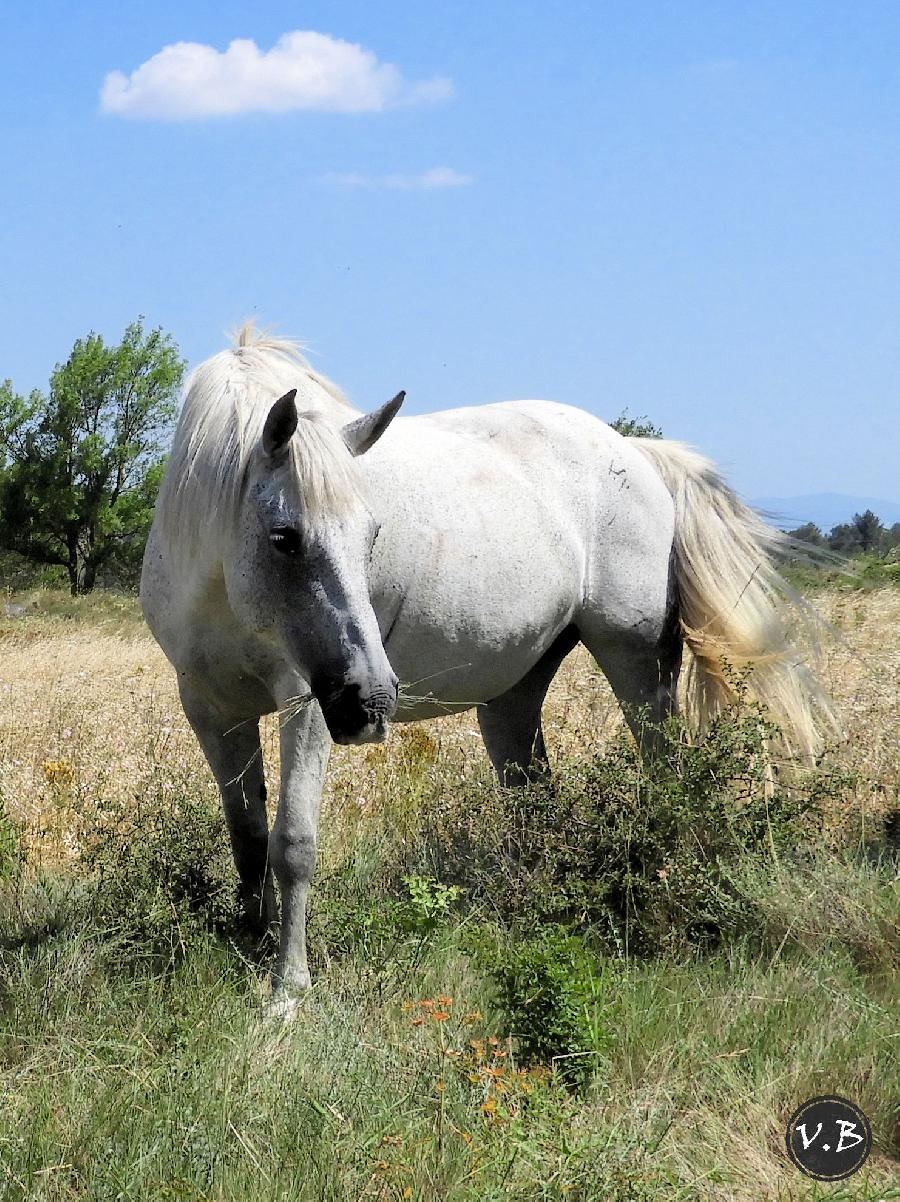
[[298, 573]]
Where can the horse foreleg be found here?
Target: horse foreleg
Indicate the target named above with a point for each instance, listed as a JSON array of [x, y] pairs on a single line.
[[305, 748], [234, 754]]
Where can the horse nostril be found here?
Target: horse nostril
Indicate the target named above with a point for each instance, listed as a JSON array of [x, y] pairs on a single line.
[[380, 699]]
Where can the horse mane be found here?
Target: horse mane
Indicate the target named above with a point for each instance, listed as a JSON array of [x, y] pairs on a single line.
[[257, 348], [225, 406]]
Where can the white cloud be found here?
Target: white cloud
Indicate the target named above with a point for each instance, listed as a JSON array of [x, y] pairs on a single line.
[[436, 177], [303, 70]]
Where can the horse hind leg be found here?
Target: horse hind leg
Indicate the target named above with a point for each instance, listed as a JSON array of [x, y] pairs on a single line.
[[642, 668], [511, 723]]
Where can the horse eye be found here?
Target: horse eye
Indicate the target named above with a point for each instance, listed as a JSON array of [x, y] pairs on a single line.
[[285, 539]]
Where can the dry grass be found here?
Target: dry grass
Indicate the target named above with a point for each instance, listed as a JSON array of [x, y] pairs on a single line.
[[90, 710]]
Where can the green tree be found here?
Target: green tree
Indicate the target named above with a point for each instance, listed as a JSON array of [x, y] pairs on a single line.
[[82, 464], [808, 533], [635, 427], [870, 530], [844, 539]]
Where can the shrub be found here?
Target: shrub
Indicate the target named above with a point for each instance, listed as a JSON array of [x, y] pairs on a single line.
[[160, 870], [429, 904], [548, 986], [643, 858], [347, 917]]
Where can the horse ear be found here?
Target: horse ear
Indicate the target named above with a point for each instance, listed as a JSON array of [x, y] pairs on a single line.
[[281, 423], [363, 433]]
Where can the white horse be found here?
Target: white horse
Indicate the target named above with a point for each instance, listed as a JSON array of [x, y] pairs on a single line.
[[301, 550]]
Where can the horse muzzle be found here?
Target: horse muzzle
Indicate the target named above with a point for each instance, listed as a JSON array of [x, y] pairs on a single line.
[[353, 718]]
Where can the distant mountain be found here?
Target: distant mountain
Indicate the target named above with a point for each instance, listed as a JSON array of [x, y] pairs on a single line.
[[826, 509]]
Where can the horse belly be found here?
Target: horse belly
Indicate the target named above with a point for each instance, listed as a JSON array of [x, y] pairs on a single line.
[[469, 621]]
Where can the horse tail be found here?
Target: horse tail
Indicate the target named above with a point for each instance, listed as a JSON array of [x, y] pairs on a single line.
[[738, 616]]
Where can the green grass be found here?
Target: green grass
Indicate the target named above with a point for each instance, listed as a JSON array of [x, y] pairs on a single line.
[[146, 1068], [43, 610], [863, 573], [121, 1080]]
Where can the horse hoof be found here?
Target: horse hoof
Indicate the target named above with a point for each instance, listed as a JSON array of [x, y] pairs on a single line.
[[282, 1008], [284, 1003]]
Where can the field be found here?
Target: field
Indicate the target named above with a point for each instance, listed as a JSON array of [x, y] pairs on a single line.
[[669, 1047]]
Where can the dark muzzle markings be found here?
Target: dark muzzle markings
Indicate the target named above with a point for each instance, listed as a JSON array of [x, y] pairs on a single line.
[[353, 716]]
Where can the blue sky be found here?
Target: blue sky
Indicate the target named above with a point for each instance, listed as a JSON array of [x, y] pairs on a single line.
[[689, 210]]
